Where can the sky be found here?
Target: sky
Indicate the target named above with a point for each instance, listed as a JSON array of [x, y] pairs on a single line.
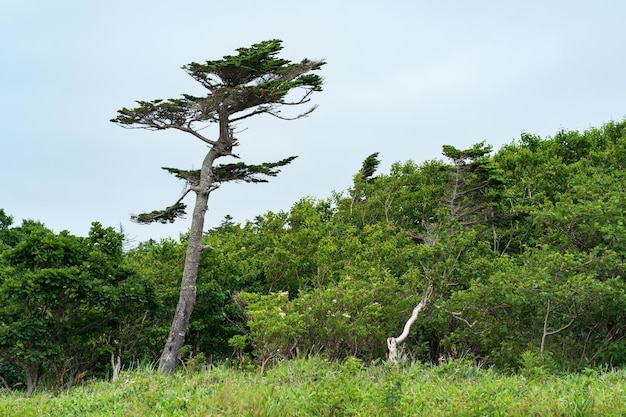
[[402, 78]]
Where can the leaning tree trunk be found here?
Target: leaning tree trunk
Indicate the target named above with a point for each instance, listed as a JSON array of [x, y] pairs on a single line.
[[393, 342], [187, 298]]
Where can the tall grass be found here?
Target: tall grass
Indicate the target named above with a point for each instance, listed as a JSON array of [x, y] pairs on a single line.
[[314, 387]]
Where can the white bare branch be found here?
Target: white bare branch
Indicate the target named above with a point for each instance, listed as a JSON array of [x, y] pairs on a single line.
[[392, 342]]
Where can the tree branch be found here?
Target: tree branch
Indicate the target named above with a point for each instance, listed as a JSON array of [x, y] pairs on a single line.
[[392, 342], [195, 133], [547, 333], [163, 216], [300, 116], [259, 110], [458, 316], [562, 328], [6, 384], [269, 109]]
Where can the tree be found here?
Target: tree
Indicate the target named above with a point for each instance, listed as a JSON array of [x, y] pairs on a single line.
[[473, 189], [253, 82], [475, 184], [67, 302]]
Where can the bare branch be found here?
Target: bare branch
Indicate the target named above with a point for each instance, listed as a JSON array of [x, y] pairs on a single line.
[[259, 110], [458, 316], [305, 99], [547, 333], [562, 328], [183, 195], [195, 133], [6, 384], [416, 310], [300, 116], [392, 342]]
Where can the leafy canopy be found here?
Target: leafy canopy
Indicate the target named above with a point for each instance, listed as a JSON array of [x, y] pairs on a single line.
[[253, 79]]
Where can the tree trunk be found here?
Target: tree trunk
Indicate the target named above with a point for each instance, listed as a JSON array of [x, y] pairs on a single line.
[[187, 298], [32, 376], [116, 365]]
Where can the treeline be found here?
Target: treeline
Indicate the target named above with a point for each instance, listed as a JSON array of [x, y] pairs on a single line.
[[523, 247]]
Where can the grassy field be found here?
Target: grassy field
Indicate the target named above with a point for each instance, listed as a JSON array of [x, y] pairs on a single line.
[[314, 387]]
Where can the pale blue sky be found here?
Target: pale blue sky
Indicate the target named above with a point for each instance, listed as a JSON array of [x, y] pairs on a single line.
[[403, 78]]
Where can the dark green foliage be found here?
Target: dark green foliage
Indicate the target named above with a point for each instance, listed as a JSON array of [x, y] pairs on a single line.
[[522, 259], [235, 172], [253, 78], [169, 215], [67, 303], [11, 236], [160, 115], [249, 173], [369, 167], [5, 220], [475, 185], [525, 250], [222, 173], [256, 68], [466, 156]]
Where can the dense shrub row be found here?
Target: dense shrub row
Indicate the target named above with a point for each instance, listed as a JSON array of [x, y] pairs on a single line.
[[524, 248]]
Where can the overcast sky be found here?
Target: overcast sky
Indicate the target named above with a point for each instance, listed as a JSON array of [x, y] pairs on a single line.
[[403, 78]]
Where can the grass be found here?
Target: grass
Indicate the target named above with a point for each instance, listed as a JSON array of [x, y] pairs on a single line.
[[314, 387]]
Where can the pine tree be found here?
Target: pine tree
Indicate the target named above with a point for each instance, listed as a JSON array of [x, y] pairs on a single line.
[[253, 82]]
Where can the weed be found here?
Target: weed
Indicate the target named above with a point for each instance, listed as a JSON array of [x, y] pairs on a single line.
[[317, 387]]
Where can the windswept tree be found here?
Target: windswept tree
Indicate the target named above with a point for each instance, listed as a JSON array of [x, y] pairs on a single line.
[[253, 82], [471, 197], [475, 185]]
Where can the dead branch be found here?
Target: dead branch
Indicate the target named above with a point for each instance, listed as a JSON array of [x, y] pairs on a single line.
[[6, 384], [392, 342]]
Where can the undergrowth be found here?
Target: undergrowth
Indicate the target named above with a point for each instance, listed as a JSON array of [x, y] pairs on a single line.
[[315, 387]]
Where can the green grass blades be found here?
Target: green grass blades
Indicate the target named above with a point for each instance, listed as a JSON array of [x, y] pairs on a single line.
[[316, 387]]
